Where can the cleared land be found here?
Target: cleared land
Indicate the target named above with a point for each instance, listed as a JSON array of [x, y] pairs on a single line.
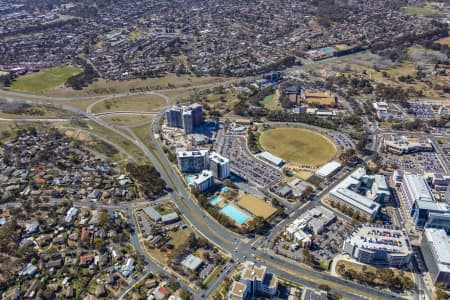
[[45, 79], [137, 103], [298, 145], [256, 206]]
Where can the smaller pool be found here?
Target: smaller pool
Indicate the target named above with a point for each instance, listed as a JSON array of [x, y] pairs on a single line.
[[190, 179], [215, 200], [234, 213], [224, 189]]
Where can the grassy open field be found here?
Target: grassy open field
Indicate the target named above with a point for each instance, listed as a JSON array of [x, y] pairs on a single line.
[[45, 79], [298, 145], [266, 99], [122, 120], [104, 86], [419, 11], [35, 112], [140, 103], [114, 138]]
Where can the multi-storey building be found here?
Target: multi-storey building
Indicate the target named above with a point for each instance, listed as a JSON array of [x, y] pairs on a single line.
[[204, 181], [255, 280], [378, 244], [192, 161], [174, 117], [360, 191], [419, 199], [404, 145], [219, 165], [435, 247], [185, 117]]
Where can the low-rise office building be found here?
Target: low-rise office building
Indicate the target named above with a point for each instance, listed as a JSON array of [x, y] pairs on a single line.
[[403, 145], [378, 244], [435, 248], [360, 191]]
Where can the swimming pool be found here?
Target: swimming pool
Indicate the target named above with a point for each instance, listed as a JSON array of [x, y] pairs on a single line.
[[190, 179], [224, 189], [215, 200], [234, 213]]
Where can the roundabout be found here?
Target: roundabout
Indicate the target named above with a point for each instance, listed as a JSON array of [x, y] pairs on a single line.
[[298, 145]]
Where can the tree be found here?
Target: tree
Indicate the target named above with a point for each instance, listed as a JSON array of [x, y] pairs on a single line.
[[324, 287]]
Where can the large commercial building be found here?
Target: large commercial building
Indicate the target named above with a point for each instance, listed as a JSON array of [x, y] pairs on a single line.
[[219, 165], [185, 117], [255, 280], [439, 221], [360, 191], [192, 161], [435, 247], [382, 110], [328, 169], [403, 145], [270, 158], [378, 244], [419, 199]]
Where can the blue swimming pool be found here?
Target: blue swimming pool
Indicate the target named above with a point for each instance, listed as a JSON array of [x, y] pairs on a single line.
[[215, 200], [234, 213], [224, 189], [190, 179]]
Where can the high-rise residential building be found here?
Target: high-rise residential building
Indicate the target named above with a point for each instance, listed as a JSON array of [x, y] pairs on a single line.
[[174, 117], [197, 113], [185, 117], [192, 161], [435, 248], [219, 165], [188, 121]]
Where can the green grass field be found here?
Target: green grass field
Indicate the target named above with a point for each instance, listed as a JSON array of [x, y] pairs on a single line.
[[123, 120], [266, 99], [141, 103], [298, 145], [419, 11], [45, 79]]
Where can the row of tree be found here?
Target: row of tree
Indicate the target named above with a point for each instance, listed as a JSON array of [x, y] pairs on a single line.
[[383, 278], [83, 79]]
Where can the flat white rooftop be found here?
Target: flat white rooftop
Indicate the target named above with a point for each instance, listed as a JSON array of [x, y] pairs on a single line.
[[441, 245], [271, 158], [328, 169], [381, 238]]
